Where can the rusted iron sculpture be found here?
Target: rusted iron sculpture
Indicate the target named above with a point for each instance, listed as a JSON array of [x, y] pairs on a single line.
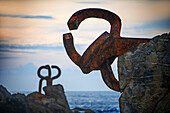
[[48, 78], [103, 51]]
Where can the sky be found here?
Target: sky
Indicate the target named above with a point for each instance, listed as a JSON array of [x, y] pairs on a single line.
[[31, 35]]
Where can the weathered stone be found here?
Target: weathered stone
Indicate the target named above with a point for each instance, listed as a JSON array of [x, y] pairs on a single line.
[[144, 75], [81, 110], [54, 101], [57, 92], [12, 103]]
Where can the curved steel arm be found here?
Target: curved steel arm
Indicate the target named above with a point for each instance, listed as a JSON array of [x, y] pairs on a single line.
[[108, 77], [70, 49], [83, 14], [59, 72], [44, 67]]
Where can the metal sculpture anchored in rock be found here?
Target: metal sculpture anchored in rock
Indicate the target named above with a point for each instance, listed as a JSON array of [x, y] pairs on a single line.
[[103, 51], [48, 78]]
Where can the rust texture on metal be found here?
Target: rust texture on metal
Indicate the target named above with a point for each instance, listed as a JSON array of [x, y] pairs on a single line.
[[103, 51], [48, 78]]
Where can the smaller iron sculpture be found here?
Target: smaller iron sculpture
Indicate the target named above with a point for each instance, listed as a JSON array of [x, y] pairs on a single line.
[[48, 78]]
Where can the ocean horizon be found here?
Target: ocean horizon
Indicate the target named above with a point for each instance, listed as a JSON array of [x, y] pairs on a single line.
[[98, 101]]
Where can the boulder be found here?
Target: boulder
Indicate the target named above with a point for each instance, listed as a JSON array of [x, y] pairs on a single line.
[[144, 75], [81, 110], [54, 101], [57, 92], [12, 103]]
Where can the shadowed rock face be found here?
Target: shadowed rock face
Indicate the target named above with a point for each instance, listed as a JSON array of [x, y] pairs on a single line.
[[144, 75], [54, 101], [12, 103]]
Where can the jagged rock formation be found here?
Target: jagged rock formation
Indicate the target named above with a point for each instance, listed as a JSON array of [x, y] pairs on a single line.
[[12, 103], [54, 101], [144, 77]]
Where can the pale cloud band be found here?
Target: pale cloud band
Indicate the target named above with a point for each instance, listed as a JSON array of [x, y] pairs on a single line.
[[27, 16]]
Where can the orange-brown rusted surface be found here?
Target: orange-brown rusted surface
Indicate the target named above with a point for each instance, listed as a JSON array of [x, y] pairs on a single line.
[[47, 78], [102, 52]]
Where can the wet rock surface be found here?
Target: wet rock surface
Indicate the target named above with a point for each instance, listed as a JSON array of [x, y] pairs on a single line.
[[54, 101], [81, 110], [144, 75]]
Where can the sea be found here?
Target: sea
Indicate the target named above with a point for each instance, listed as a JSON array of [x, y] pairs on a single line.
[[98, 101]]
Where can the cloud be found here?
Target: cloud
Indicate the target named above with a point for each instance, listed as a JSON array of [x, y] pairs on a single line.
[[3, 40], [22, 52], [89, 2], [8, 51], [12, 27], [39, 47], [7, 58], [36, 31], [26, 16], [13, 51], [28, 69], [30, 31], [43, 47], [160, 24], [149, 29], [23, 77], [157, 24]]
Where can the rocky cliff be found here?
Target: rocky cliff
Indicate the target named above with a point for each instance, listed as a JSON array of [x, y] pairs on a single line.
[[54, 101], [144, 77]]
